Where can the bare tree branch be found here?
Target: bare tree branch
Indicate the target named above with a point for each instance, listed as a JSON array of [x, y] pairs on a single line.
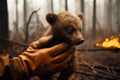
[[27, 25]]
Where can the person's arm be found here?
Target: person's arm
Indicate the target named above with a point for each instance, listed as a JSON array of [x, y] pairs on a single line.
[[36, 62]]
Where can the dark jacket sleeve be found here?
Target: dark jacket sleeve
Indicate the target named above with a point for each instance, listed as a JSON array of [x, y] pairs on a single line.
[[11, 68]]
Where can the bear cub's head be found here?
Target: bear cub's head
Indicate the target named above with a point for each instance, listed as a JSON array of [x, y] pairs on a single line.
[[66, 26]]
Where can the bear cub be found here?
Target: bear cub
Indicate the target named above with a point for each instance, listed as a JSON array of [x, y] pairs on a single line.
[[65, 27]]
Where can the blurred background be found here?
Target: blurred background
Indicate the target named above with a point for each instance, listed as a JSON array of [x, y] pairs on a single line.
[[23, 21], [99, 14]]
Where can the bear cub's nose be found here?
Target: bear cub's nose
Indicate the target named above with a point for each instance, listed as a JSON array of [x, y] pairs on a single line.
[[80, 41]]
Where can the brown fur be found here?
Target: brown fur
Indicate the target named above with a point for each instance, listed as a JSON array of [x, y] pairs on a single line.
[[65, 27]]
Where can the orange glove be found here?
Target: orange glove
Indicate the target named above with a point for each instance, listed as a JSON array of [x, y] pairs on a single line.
[[46, 61]]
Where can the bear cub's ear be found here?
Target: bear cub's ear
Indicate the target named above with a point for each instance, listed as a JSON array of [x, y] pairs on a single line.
[[51, 18], [81, 16]]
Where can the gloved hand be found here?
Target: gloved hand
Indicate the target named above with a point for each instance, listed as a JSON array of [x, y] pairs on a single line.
[[46, 61]]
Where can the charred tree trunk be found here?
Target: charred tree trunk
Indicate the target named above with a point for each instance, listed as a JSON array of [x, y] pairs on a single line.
[[16, 23], [118, 17], [82, 9], [94, 19], [66, 5], [109, 16], [4, 29], [52, 6], [25, 21]]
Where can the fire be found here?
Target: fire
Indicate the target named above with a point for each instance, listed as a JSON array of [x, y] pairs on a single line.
[[108, 43]]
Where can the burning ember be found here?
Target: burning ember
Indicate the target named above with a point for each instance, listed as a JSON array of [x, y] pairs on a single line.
[[108, 43]]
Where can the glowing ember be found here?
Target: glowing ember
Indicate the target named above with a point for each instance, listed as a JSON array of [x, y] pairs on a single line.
[[108, 43]]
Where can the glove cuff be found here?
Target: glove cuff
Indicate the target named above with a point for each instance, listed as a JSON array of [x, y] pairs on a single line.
[[27, 64], [18, 69]]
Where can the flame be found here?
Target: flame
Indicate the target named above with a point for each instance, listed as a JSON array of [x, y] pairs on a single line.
[[108, 43]]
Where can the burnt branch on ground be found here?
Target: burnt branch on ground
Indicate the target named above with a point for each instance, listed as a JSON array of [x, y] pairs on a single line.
[[100, 49], [105, 72]]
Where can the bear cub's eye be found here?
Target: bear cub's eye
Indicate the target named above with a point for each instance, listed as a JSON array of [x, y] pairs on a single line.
[[71, 30]]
